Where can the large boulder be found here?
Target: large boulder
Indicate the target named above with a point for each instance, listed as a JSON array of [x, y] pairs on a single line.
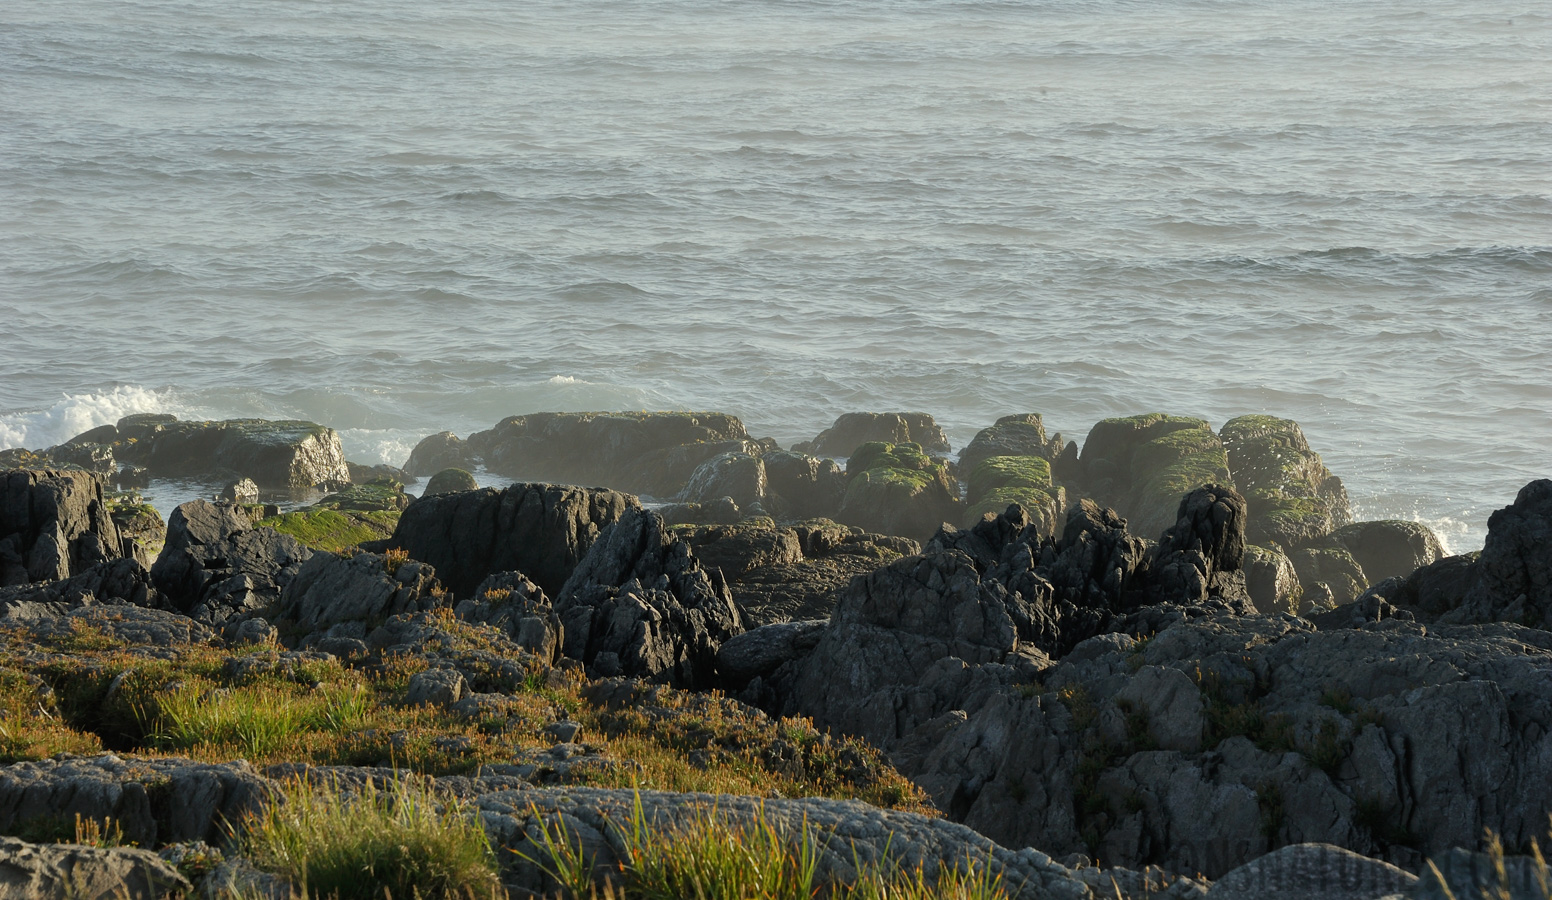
[[363, 587], [1294, 499], [852, 430], [898, 489], [666, 472], [278, 455], [595, 448], [449, 481], [541, 530], [437, 452], [1272, 581], [1018, 435], [1332, 567], [641, 604], [53, 524], [218, 567], [1142, 466], [1388, 548]]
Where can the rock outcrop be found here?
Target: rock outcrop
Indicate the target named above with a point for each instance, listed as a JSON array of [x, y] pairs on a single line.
[[852, 430], [363, 588], [595, 448], [277, 455], [1294, 499], [218, 568], [53, 524], [898, 489], [1389, 548], [997, 482], [448, 481], [38, 871], [1143, 465], [1512, 581], [1018, 435], [541, 530], [799, 486], [641, 604], [517, 607]]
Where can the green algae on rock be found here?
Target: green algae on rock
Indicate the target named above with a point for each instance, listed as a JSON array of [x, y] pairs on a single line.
[[1294, 499], [898, 489]]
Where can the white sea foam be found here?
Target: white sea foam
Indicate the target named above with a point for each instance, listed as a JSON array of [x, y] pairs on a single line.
[[565, 379], [76, 413]]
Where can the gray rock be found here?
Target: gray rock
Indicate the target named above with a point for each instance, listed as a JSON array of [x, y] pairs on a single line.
[[363, 587], [847, 833], [641, 602], [1172, 705], [721, 511], [242, 491], [94, 457], [563, 732], [615, 449], [1333, 567], [53, 524], [449, 481], [740, 476], [1272, 581], [40, 871], [124, 580], [517, 607], [852, 430], [440, 451], [436, 687], [1294, 499], [666, 472], [799, 486], [154, 801], [1389, 548], [275, 454], [122, 622], [217, 567], [738, 550], [541, 530], [1142, 465], [1513, 580], [763, 650], [1307, 871]]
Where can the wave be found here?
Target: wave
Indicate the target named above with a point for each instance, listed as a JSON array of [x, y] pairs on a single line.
[[76, 413]]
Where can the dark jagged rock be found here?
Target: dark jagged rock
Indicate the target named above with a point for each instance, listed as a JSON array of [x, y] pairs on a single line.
[[1513, 578], [780, 574], [517, 607], [721, 511], [1143, 465], [1018, 435], [361, 473], [852, 430], [53, 524], [640, 604], [898, 489], [363, 587], [763, 650], [1294, 499], [443, 450], [1388, 548], [127, 580], [1202, 555], [216, 566], [803, 487], [541, 530], [594, 448], [450, 481], [96, 458], [740, 476], [277, 455], [1438, 589]]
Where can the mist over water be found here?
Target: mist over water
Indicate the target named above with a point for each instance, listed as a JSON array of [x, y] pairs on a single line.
[[396, 218]]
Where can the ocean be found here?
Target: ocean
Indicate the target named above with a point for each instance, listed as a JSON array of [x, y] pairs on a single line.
[[397, 218]]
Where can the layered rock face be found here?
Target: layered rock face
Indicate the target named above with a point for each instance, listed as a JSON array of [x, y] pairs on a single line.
[[53, 524], [541, 530]]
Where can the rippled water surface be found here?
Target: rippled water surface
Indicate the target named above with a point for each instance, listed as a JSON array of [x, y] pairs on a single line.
[[400, 217]]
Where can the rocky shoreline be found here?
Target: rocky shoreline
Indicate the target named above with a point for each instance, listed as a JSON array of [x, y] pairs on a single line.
[[1167, 663]]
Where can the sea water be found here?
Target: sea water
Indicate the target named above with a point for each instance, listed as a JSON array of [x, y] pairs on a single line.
[[397, 218]]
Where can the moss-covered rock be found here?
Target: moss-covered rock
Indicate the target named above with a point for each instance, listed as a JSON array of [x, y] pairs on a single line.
[[378, 496], [138, 521], [449, 480], [1142, 466], [1001, 481], [898, 489], [852, 430], [1294, 499], [1017, 435], [333, 530]]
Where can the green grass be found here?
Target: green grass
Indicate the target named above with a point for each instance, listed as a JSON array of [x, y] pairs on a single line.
[[711, 856], [259, 720], [402, 841], [333, 530]]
